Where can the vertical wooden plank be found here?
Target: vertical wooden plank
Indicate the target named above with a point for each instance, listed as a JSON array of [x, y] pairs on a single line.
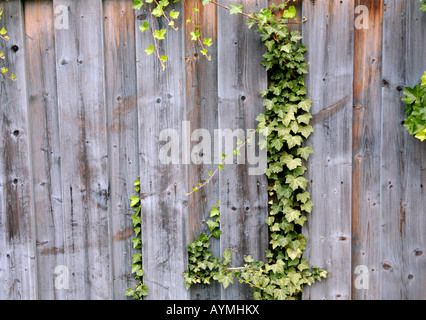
[[120, 69], [45, 155], [366, 146], [403, 157], [243, 197], [84, 152], [17, 242], [161, 106], [328, 35], [201, 104]]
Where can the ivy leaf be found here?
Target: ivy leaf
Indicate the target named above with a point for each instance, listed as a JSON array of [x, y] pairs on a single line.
[[287, 47], [137, 4], [206, 2], [212, 224], [234, 9], [174, 14], [208, 41], [306, 130], [144, 26], [305, 105], [249, 259], [150, 50], [304, 118], [295, 36], [134, 200], [303, 197], [160, 34], [214, 212], [158, 11], [307, 206], [296, 183], [304, 152], [227, 257], [292, 215], [293, 141], [194, 35], [290, 13]]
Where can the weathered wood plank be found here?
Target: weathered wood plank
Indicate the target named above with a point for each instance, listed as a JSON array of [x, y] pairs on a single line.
[[243, 197], [120, 75], [403, 157], [201, 104], [161, 107], [84, 151], [17, 239], [366, 147], [45, 155], [328, 34]]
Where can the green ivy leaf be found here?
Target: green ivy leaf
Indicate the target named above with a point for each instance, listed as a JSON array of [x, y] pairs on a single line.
[[174, 14], [160, 34], [234, 9], [150, 50]]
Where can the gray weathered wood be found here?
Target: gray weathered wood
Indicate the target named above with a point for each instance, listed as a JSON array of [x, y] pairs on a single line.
[[243, 197], [366, 149], [17, 241], [161, 106], [120, 75], [84, 151], [45, 155], [201, 105], [403, 157], [83, 121], [328, 34]]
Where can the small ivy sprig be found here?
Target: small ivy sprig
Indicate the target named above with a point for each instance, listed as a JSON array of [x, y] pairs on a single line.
[[157, 9], [5, 37], [415, 99], [224, 157], [139, 290]]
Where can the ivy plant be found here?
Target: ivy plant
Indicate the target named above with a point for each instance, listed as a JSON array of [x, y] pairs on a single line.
[[139, 290], [286, 125], [4, 37], [415, 99]]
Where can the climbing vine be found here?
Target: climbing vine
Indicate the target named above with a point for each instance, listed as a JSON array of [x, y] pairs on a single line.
[[139, 290], [4, 37], [415, 109], [286, 125]]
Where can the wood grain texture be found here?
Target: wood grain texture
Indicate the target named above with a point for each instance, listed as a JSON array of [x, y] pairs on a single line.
[[328, 34], [162, 106], [403, 157], [84, 150], [17, 239], [201, 104], [45, 145], [243, 197], [84, 118], [366, 146], [122, 113]]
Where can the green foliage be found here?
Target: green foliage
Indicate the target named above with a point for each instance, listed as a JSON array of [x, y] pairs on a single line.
[[139, 290], [5, 37], [285, 124], [422, 5], [415, 99]]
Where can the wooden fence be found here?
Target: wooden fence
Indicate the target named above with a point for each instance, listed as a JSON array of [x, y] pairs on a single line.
[[84, 117]]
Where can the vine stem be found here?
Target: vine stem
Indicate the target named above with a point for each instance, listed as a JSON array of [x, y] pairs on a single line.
[[221, 164], [157, 52], [5, 75]]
